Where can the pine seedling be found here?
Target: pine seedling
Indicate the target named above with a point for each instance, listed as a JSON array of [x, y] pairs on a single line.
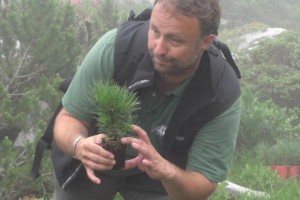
[[115, 109]]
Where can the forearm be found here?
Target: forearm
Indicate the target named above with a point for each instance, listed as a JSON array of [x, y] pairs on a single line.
[[182, 185], [67, 129]]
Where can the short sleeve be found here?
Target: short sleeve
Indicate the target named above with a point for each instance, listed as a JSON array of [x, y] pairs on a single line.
[[98, 65], [212, 151]]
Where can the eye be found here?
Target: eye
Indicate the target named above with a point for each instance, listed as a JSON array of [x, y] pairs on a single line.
[[155, 32], [176, 41]]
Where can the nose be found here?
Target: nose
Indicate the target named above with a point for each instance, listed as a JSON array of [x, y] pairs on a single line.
[[160, 47]]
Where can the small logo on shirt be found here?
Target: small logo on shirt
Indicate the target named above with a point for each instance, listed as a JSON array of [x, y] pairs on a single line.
[[159, 130]]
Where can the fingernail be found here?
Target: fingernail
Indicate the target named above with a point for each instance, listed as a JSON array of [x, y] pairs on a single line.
[[134, 145], [112, 156]]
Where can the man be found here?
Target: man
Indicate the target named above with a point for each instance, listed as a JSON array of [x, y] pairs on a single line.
[[166, 165]]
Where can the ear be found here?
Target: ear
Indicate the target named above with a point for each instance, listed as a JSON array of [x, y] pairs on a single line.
[[207, 41]]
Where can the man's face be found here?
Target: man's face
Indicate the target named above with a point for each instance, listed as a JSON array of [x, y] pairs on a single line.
[[174, 41]]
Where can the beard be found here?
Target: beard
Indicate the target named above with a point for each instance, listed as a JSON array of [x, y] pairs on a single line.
[[171, 66]]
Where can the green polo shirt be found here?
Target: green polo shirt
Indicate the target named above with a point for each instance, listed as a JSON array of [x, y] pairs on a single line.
[[212, 150]]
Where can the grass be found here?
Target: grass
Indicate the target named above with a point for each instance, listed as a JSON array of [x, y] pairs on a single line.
[[118, 197], [251, 173]]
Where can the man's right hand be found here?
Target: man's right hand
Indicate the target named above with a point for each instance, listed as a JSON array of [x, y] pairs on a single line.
[[94, 158]]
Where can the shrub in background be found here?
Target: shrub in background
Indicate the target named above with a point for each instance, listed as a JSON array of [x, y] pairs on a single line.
[[283, 152], [15, 179], [265, 122], [273, 69]]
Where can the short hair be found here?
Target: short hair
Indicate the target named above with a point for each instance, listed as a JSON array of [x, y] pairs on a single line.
[[208, 12]]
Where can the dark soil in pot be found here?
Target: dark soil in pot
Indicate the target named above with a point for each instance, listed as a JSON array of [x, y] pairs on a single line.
[[118, 149]]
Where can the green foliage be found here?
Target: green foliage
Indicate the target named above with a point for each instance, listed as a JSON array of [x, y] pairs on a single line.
[[96, 19], [265, 122], [272, 69], [254, 173], [38, 41], [221, 192], [114, 107], [5, 114], [15, 181], [118, 197], [41, 35], [269, 130], [110, 14], [283, 51], [284, 152]]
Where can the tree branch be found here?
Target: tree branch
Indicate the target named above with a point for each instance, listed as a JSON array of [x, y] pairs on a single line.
[[20, 66]]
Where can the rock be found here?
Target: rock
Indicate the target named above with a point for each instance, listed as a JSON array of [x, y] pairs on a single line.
[[235, 191], [24, 138], [251, 39]]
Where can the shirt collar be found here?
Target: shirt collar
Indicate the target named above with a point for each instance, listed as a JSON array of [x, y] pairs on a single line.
[[178, 91]]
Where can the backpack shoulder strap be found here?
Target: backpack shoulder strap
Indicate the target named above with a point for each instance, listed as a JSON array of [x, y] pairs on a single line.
[[45, 141], [228, 56], [130, 46], [43, 144]]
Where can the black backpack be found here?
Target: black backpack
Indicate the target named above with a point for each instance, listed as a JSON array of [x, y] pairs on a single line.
[[120, 76]]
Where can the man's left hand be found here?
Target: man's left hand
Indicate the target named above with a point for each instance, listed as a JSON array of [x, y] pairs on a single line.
[[148, 159]]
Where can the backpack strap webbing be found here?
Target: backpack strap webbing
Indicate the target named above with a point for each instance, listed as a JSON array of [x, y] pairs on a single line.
[[228, 56], [46, 140], [43, 144]]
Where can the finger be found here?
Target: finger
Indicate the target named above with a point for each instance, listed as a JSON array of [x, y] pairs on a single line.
[[147, 163], [96, 150], [139, 145], [130, 140], [99, 138], [92, 176], [141, 133], [97, 158], [131, 163], [135, 162], [98, 163], [104, 153], [144, 150]]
